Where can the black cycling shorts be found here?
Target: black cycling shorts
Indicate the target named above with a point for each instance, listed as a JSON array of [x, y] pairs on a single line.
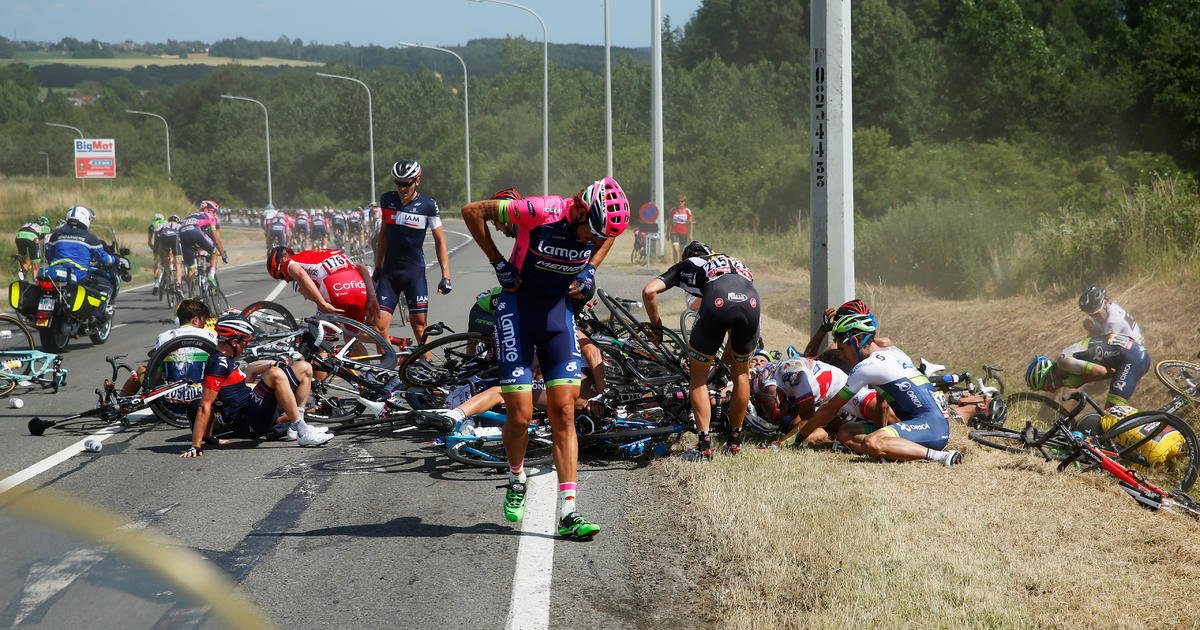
[[728, 306]]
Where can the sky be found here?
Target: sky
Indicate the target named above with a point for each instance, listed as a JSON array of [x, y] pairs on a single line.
[[360, 22]]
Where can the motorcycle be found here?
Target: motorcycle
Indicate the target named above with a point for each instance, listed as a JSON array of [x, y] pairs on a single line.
[[61, 309]]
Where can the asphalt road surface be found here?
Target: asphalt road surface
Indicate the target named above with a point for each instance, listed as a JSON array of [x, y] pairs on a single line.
[[373, 530]]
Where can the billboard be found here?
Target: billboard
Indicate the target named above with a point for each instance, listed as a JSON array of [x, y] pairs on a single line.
[[95, 158]]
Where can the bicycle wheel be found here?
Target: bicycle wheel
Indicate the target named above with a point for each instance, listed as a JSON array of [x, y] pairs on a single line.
[[15, 338], [453, 360], [1181, 377], [1019, 442], [1032, 408], [180, 360], [1158, 445], [270, 317], [216, 299], [489, 453], [334, 400], [350, 342], [6, 386]]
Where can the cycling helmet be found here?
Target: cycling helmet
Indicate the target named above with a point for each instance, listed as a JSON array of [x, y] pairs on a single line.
[[209, 205], [696, 248], [43, 221], [1092, 299], [760, 425], [858, 328], [234, 326], [158, 216], [174, 218], [81, 215], [1039, 368], [852, 307], [277, 260], [508, 193], [406, 169], [608, 209]]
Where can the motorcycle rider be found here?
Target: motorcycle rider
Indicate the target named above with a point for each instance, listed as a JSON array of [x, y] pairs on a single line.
[[80, 252]]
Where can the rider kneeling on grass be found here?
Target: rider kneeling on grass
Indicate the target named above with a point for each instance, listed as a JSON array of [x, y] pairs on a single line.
[[923, 424], [249, 412]]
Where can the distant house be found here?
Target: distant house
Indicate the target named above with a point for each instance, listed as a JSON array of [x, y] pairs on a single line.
[[80, 101]]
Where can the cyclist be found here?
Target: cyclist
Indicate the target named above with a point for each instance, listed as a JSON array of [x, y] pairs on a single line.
[[328, 278], [155, 223], [31, 238], [728, 304], [166, 248], [830, 354], [681, 226], [302, 228], [318, 230], [399, 259], [1104, 317], [354, 229], [277, 231], [1093, 359], [923, 423], [80, 252], [560, 242], [198, 231], [337, 228], [249, 412], [191, 319]]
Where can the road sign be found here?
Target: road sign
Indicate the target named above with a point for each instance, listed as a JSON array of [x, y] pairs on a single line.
[[96, 158], [649, 213]]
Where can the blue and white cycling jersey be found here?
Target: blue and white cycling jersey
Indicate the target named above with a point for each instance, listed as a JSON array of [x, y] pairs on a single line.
[[404, 227], [907, 391]]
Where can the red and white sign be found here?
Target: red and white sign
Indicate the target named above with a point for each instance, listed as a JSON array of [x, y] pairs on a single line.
[[96, 158]]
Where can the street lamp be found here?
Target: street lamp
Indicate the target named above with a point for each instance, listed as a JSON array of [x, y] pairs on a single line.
[[47, 163], [608, 150], [466, 108], [370, 127], [545, 92], [165, 127], [67, 127], [267, 120]]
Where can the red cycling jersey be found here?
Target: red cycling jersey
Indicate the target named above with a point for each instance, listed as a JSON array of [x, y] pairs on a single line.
[[337, 277]]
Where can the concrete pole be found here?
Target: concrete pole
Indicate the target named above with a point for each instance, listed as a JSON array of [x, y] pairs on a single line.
[[656, 124]]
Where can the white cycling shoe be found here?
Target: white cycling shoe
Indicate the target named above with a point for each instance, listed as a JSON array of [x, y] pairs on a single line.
[[313, 437]]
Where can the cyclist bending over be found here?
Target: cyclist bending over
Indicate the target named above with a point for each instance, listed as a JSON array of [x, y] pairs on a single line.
[[923, 428], [1104, 317]]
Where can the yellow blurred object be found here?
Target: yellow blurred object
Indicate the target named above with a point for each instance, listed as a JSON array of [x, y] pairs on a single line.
[[1157, 450]]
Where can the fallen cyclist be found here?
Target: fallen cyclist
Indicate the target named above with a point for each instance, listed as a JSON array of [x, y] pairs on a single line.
[[249, 412]]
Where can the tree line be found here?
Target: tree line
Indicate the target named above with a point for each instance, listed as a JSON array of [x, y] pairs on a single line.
[[999, 111]]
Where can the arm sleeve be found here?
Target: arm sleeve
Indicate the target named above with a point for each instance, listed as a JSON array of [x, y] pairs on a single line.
[[670, 277]]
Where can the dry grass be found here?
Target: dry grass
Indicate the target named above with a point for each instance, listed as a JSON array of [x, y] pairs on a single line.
[[800, 539]]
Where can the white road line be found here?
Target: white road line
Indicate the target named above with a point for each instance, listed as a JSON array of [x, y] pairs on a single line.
[[276, 291], [470, 239], [16, 479], [529, 608], [234, 293], [116, 326]]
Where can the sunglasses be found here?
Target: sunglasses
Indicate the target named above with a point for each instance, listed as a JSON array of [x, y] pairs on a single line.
[[405, 183]]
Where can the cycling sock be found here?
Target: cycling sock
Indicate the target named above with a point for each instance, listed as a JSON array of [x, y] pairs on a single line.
[[456, 414], [516, 474], [566, 497], [735, 440], [940, 457], [298, 425]]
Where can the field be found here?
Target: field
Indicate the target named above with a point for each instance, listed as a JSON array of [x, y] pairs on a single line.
[[813, 538], [127, 61]]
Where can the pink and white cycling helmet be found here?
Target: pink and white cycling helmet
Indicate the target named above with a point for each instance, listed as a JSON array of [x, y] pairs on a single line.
[[608, 209], [209, 205]]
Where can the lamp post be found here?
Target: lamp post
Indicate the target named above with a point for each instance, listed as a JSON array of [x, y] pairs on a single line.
[[167, 128], [370, 127], [545, 92], [466, 108], [47, 163], [608, 150], [67, 127], [267, 120]]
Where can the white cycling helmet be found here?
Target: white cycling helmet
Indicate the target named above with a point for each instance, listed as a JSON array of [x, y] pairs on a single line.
[[81, 215], [406, 169]]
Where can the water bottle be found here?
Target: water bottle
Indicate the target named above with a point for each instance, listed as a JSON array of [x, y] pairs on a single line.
[[467, 427]]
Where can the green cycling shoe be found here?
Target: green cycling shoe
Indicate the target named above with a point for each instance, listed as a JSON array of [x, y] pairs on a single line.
[[576, 527], [514, 501]]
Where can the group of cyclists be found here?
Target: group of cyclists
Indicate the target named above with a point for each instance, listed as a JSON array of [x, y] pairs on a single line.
[[172, 239], [861, 390], [349, 230]]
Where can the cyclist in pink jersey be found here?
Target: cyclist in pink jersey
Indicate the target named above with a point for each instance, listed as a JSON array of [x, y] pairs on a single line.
[[560, 241]]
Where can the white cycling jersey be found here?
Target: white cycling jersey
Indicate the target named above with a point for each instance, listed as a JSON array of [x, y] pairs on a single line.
[[184, 331], [801, 379], [1120, 322]]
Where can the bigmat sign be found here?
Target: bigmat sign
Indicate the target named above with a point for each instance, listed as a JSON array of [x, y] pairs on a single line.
[[95, 158]]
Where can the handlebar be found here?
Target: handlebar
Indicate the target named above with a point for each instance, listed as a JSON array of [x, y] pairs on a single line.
[[116, 367], [1084, 400]]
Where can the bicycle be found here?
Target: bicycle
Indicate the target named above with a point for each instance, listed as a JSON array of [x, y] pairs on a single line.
[[207, 288], [1183, 379], [22, 364], [1146, 451], [168, 288], [111, 406]]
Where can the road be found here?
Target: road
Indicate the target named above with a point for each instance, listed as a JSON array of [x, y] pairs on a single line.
[[371, 531]]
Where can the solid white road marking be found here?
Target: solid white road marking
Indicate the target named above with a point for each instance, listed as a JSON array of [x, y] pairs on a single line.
[[16, 479], [276, 291], [529, 608]]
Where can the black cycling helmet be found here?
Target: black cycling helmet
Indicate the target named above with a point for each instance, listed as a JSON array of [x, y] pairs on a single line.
[[406, 169], [1092, 299], [696, 248]]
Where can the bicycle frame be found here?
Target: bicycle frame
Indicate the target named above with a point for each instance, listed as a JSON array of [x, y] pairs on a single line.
[[39, 364]]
